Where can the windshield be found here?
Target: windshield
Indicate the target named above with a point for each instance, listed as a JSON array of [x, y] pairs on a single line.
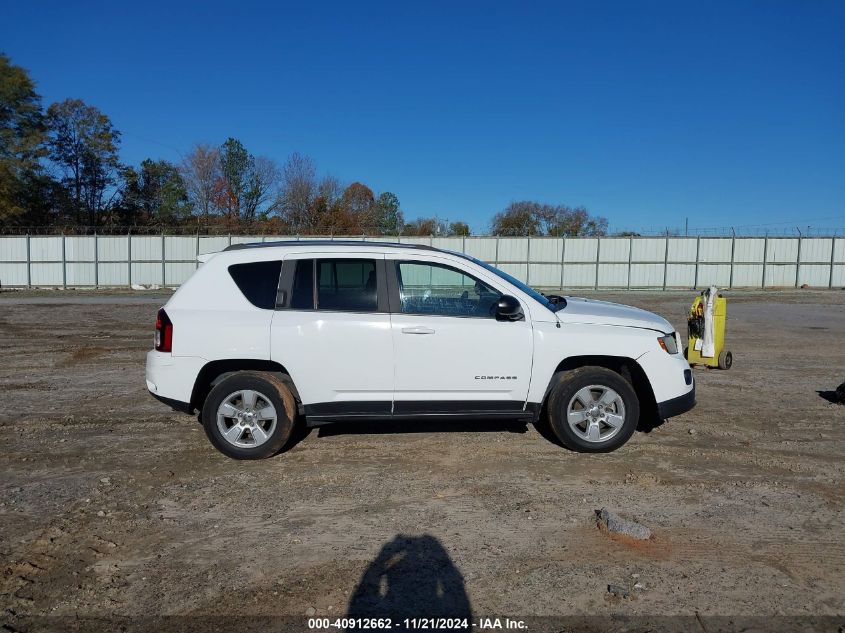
[[537, 296]]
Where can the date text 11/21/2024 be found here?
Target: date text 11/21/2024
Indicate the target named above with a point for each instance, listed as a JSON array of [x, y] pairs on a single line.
[[417, 623]]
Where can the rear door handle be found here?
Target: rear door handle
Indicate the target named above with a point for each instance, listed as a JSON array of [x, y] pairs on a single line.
[[419, 329]]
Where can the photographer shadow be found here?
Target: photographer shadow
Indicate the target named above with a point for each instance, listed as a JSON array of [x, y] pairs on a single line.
[[412, 577]]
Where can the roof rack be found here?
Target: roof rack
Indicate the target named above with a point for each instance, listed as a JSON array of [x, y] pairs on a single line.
[[239, 247]]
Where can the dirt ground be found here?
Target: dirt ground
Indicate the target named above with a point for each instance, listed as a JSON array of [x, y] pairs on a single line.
[[111, 505]]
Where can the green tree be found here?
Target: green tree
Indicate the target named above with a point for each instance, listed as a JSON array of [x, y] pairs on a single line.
[[22, 138], [83, 143], [234, 169], [388, 216], [459, 229], [163, 196], [246, 182]]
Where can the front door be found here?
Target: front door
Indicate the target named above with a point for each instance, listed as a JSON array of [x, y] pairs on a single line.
[[333, 336], [451, 354]]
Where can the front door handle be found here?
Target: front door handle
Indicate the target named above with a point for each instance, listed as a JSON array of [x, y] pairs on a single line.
[[419, 329]]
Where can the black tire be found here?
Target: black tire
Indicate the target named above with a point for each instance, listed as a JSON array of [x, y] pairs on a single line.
[[565, 390], [726, 360], [268, 386]]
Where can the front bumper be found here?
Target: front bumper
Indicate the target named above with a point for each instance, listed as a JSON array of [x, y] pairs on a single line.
[[676, 406]]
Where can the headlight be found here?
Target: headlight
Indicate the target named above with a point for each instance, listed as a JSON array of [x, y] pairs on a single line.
[[669, 343]]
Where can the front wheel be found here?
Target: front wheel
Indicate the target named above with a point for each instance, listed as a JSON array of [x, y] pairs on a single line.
[[249, 415], [593, 410]]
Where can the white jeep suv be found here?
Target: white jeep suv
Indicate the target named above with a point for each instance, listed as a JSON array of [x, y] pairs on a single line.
[[265, 335]]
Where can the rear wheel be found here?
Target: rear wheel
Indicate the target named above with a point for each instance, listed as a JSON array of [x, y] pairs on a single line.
[[726, 359], [249, 415], [593, 410]]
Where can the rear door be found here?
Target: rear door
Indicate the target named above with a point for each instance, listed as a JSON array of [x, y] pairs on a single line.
[[451, 354], [332, 333]]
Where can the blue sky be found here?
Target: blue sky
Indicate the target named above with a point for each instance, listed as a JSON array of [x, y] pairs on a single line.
[[646, 112]]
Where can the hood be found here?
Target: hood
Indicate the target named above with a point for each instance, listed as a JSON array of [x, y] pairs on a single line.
[[579, 310]]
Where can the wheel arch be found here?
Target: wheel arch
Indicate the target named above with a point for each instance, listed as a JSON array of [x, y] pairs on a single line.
[[214, 371], [627, 367]]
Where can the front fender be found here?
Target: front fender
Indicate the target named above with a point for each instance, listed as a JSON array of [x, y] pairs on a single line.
[[553, 345]]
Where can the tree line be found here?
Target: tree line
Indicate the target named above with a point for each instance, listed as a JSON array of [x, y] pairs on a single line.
[[61, 168]]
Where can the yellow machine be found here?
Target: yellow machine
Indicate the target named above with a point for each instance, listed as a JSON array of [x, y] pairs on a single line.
[[722, 358]]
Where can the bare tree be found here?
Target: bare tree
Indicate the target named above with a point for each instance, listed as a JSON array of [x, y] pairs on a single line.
[[263, 178], [201, 171], [298, 192]]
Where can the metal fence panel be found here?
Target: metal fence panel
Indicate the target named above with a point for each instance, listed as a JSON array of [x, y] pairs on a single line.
[[748, 275], [80, 248], [579, 275], [782, 250], [582, 249], [146, 248], [514, 249], [608, 262], [814, 275], [483, 248], [113, 274], [680, 275], [544, 275], [780, 276], [837, 277], [613, 275], [448, 243], [749, 250], [715, 250], [47, 275], [46, 249], [615, 249], [212, 244], [648, 249], [113, 248], [520, 271], [13, 274], [177, 273], [13, 249], [146, 274], [80, 274], [546, 249], [714, 275], [178, 248], [646, 275], [816, 250], [682, 249]]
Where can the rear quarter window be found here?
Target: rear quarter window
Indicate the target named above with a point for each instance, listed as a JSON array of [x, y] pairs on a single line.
[[258, 282]]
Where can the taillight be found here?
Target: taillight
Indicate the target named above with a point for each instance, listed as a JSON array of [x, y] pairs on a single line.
[[164, 332]]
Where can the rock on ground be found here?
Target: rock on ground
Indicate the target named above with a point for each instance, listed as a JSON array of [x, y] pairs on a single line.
[[612, 522]]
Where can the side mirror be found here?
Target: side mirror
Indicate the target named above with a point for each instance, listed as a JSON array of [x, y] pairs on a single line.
[[508, 309]]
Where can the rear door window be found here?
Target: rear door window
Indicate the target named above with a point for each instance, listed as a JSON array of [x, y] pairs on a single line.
[[347, 285], [258, 282]]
